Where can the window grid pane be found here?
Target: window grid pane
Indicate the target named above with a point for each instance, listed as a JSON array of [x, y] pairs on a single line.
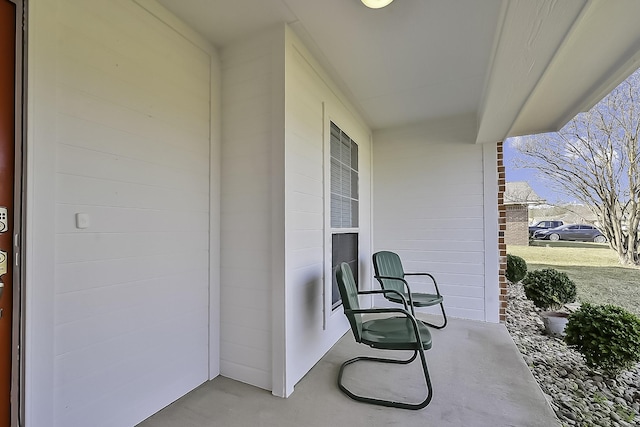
[[344, 179]]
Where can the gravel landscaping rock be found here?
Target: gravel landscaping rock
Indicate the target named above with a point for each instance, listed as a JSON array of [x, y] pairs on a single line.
[[579, 395]]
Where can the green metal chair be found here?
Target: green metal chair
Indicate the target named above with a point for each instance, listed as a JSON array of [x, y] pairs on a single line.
[[390, 275], [391, 333]]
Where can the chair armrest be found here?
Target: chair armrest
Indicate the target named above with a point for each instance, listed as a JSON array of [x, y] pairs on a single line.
[[433, 279], [406, 285], [386, 291]]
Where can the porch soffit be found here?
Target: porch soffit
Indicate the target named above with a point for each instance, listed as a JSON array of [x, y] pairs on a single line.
[[519, 66]]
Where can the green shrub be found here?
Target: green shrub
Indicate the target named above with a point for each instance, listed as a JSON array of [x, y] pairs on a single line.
[[607, 336], [549, 288], [516, 268]]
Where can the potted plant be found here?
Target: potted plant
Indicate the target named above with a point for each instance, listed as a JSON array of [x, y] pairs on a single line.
[[607, 336], [549, 290]]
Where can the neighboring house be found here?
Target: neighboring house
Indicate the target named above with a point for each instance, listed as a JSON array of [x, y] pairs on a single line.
[[193, 169], [518, 196], [569, 214]]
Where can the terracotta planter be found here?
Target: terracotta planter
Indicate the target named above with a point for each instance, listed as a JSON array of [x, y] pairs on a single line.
[[554, 322]]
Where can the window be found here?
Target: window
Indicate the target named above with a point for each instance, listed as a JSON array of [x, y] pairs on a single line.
[[344, 248], [344, 206], [344, 180]]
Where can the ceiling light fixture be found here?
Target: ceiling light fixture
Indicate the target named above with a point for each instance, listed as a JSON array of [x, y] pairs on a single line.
[[376, 4]]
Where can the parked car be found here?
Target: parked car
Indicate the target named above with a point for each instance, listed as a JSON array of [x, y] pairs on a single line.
[[543, 225], [578, 232]]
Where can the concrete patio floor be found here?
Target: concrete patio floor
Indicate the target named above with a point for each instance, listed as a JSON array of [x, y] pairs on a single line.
[[479, 379]]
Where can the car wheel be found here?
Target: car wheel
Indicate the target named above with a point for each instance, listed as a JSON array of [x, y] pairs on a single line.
[[554, 237], [600, 239]]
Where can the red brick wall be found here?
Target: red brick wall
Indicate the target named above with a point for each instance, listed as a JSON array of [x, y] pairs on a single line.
[[502, 228]]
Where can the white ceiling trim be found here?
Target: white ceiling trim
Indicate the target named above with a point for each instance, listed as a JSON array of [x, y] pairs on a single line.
[[602, 49], [529, 40]]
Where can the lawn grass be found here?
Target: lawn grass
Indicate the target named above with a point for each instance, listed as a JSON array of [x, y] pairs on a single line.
[[593, 267]]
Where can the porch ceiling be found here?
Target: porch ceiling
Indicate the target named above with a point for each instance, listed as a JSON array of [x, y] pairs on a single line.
[[518, 66]]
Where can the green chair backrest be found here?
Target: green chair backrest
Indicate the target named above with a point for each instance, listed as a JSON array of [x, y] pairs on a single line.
[[349, 295], [387, 263]]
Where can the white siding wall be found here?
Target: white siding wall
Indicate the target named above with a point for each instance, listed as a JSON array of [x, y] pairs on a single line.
[[131, 148], [251, 119], [311, 101], [276, 102], [429, 195]]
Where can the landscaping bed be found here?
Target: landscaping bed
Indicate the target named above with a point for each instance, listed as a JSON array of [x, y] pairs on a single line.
[[579, 395], [594, 268]]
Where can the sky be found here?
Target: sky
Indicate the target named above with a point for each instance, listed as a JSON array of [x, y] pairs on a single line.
[[538, 183]]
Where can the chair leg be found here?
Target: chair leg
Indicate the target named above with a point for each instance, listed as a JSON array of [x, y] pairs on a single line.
[[444, 316], [383, 402]]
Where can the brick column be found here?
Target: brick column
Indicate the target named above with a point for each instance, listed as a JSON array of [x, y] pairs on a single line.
[[502, 227]]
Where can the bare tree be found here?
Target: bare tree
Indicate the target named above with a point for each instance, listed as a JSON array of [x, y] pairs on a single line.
[[595, 158]]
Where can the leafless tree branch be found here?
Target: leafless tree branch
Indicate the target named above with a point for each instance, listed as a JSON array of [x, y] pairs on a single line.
[[595, 158]]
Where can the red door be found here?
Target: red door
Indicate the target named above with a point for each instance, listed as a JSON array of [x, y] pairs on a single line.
[[7, 170]]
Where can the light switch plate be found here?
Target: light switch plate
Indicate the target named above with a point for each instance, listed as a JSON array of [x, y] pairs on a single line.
[[82, 220]]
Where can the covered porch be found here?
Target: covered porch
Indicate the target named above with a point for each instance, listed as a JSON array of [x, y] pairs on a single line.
[[478, 375], [195, 139]]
